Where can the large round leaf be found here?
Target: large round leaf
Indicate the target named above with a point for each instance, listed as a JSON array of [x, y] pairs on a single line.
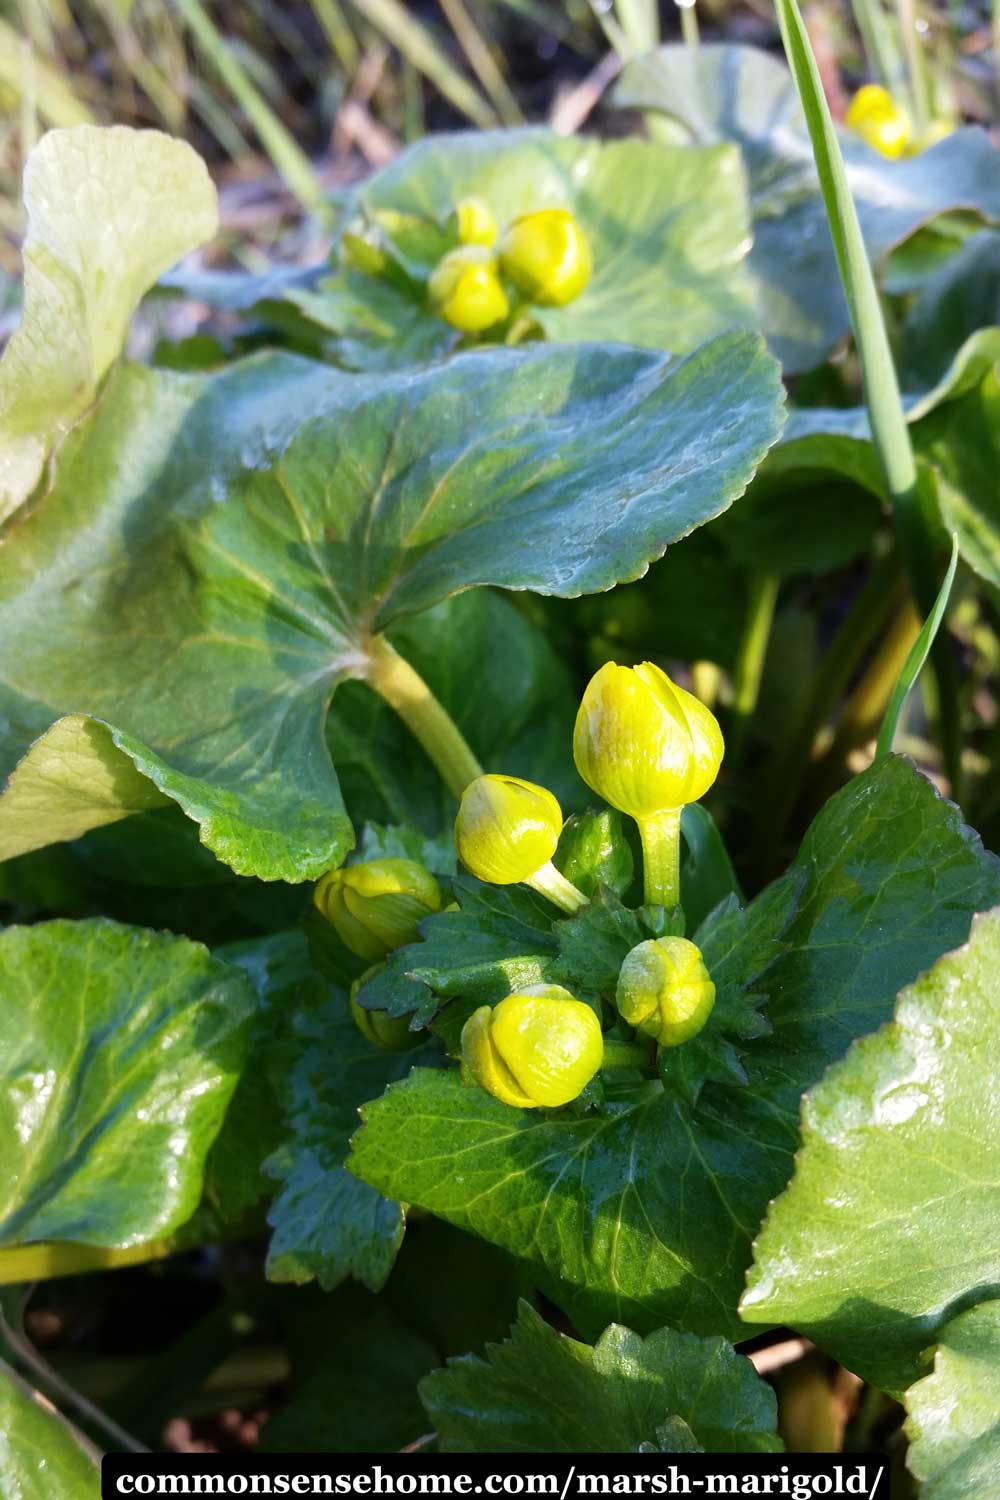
[[219, 551]]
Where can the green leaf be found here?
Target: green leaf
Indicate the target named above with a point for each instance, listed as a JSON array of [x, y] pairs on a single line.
[[223, 560], [500, 938], [326, 1223], [71, 779], [542, 1392], [109, 210], [891, 1215], [36, 1441], [954, 1414], [723, 92], [646, 1213], [593, 851], [119, 1050], [707, 874], [959, 301]]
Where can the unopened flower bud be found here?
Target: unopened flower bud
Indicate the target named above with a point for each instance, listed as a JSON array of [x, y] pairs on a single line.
[[466, 290], [644, 744], [536, 1049], [665, 990], [546, 255], [375, 906], [507, 831], [391, 1033], [874, 115], [474, 223]]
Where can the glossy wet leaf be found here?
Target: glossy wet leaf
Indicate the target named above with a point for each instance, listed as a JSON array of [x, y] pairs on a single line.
[[724, 92], [109, 210], [542, 1392], [646, 1213], [961, 301], [954, 1413], [119, 1051], [222, 547], [890, 1218], [39, 1451], [327, 1224]]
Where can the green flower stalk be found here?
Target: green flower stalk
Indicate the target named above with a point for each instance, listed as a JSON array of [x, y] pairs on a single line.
[[547, 256], [390, 1033], [648, 748], [665, 990], [507, 831], [376, 906], [535, 1050], [466, 290], [474, 224]]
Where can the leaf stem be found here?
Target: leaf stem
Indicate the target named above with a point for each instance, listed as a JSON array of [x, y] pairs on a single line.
[[626, 1054], [550, 882], [405, 690], [661, 857]]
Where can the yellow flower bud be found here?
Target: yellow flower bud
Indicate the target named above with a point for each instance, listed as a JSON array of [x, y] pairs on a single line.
[[644, 744], [474, 223], [375, 906], [536, 1049], [874, 115], [665, 990], [506, 828], [391, 1033], [546, 254], [466, 290]]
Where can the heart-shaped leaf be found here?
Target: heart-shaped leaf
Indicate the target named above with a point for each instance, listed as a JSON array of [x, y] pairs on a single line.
[[109, 210], [890, 1218], [542, 1392], [646, 1213], [119, 1050], [218, 551]]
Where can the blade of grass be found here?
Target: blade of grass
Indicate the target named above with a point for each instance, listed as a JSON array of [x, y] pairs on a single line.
[[482, 61], [689, 22], [880, 50], [56, 102], [330, 15], [410, 37], [916, 63], [917, 658], [881, 386], [287, 157]]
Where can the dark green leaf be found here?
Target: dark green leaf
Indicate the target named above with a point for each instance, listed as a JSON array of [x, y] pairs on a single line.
[[119, 1050], [646, 1213], [542, 1392], [593, 851], [890, 1218]]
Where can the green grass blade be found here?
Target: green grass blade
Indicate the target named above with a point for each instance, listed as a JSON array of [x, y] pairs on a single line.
[[880, 48], [290, 161], [885, 408], [482, 61], [410, 37], [919, 652], [54, 98]]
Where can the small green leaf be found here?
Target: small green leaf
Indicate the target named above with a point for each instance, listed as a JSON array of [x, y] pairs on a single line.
[[593, 851], [890, 1218], [954, 1413], [40, 1454], [119, 1050], [109, 210], [542, 1392]]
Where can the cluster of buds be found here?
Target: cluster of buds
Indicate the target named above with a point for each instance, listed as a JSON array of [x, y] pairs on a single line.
[[648, 748], [542, 258]]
